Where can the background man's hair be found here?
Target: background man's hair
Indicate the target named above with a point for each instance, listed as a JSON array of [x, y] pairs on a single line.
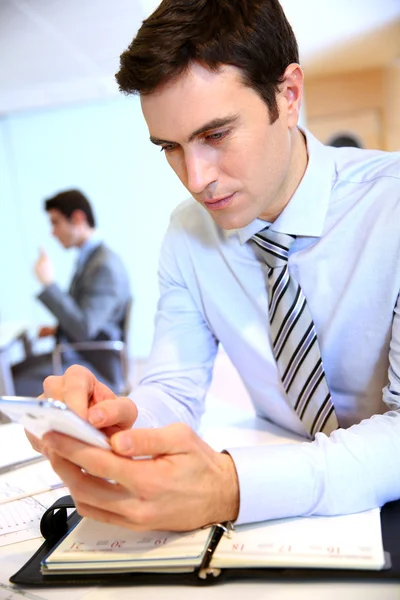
[[253, 35], [70, 200]]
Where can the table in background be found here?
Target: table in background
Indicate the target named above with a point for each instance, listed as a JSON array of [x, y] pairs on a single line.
[[10, 334]]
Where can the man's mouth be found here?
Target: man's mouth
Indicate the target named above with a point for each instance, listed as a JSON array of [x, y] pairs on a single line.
[[218, 203]]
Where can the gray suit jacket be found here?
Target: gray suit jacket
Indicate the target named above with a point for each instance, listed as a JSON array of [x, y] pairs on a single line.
[[93, 309]]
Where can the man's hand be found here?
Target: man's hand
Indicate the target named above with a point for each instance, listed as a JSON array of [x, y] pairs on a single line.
[[182, 483], [44, 268], [82, 392]]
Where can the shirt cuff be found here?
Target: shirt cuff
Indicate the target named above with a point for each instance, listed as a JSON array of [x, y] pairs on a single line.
[[275, 481]]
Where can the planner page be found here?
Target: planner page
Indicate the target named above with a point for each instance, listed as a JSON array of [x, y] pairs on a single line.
[[349, 541], [99, 546]]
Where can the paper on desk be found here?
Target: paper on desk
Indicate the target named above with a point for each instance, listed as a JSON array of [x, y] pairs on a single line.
[[20, 520], [14, 438], [8, 592]]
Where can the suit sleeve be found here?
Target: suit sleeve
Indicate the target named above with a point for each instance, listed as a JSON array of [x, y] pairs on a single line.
[[98, 300]]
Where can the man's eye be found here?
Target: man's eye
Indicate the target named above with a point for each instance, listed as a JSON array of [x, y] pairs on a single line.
[[167, 147], [216, 136]]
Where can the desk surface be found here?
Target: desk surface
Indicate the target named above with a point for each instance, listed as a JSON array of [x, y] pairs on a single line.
[[246, 429], [11, 331]]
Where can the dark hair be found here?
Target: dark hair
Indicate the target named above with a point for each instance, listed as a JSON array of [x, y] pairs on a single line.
[[253, 35], [69, 201]]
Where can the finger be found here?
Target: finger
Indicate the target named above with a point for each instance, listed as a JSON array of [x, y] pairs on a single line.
[[36, 443], [99, 463], [135, 523], [172, 439], [78, 387], [121, 412], [86, 490], [118, 505], [84, 485]]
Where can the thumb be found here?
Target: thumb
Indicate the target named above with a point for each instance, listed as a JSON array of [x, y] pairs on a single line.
[[172, 439]]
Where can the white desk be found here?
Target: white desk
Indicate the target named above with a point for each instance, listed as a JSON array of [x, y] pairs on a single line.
[[10, 333], [244, 428]]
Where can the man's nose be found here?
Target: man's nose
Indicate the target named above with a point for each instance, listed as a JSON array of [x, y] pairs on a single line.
[[201, 172]]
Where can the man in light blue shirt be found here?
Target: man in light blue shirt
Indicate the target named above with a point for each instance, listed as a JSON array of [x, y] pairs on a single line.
[[221, 90]]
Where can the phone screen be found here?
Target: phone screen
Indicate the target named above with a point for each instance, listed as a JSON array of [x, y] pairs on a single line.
[[40, 415]]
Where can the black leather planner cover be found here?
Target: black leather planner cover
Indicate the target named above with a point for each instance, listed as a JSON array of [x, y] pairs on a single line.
[[56, 523]]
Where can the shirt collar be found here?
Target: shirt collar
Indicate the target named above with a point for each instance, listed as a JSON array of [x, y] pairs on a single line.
[[305, 214], [86, 249]]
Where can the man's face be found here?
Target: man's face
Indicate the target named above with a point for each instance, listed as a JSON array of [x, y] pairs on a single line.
[[62, 228], [217, 137]]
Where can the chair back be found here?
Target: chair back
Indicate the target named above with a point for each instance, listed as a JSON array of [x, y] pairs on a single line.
[[92, 347], [125, 327], [126, 320]]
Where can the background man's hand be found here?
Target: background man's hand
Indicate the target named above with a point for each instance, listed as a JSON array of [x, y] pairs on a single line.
[[46, 331], [182, 483], [44, 268]]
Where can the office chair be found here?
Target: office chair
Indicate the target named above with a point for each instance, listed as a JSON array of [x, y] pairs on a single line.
[[119, 346]]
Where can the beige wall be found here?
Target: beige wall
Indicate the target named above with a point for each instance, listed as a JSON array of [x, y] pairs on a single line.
[[392, 103], [357, 90], [365, 103]]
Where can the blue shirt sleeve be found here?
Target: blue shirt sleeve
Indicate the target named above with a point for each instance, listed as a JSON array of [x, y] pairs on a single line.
[[183, 352], [352, 470]]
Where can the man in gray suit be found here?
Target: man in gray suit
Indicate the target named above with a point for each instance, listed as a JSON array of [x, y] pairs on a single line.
[[95, 305]]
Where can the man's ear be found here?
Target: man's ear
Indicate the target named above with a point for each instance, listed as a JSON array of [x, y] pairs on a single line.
[[291, 93], [78, 217]]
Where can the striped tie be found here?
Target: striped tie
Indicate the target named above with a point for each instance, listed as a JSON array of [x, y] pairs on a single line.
[[294, 338]]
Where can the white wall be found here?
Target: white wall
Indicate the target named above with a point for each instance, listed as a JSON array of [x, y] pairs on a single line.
[[102, 149]]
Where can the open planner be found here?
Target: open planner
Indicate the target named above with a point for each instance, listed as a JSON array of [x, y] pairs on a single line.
[[81, 551], [351, 541]]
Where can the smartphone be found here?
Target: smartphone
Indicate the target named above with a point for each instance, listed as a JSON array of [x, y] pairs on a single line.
[[39, 415]]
